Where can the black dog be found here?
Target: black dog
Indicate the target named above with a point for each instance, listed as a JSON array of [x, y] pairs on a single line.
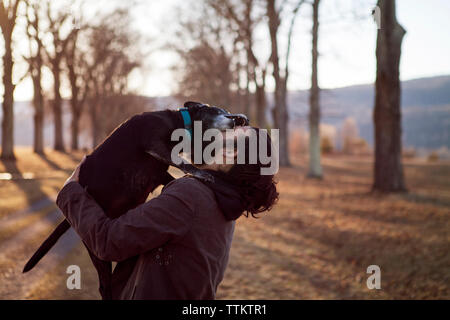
[[133, 161]]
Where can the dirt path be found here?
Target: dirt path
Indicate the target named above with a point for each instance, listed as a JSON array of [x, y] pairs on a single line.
[[18, 248]]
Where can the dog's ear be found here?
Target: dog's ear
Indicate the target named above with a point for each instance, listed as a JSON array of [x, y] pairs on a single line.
[[192, 104]]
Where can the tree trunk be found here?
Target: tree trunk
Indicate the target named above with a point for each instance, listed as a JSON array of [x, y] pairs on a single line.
[[315, 167], [38, 144], [273, 27], [247, 95], [57, 108], [280, 112], [8, 100], [75, 128], [284, 129], [261, 106], [388, 169], [259, 100], [75, 105], [38, 103], [94, 125]]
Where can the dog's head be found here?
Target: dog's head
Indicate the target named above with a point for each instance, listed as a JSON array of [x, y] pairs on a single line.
[[214, 117]]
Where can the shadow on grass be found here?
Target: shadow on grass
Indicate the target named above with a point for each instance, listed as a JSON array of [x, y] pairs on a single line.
[[31, 188], [410, 258], [49, 162], [428, 200], [77, 156], [322, 285]]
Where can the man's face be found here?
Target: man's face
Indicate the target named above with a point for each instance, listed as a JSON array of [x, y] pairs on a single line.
[[226, 157], [230, 138]]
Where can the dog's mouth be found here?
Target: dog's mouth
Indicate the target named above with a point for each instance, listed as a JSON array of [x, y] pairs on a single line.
[[239, 120]]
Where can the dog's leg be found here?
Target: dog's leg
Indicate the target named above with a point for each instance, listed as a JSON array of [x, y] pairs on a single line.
[[104, 271], [184, 166]]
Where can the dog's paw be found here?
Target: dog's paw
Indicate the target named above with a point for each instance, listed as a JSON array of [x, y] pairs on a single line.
[[204, 176]]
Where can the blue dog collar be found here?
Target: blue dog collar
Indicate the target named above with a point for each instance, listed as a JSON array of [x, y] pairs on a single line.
[[186, 119]]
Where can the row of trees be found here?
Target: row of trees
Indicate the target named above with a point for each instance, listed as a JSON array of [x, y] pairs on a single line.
[[94, 58], [219, 50], [222, 62]]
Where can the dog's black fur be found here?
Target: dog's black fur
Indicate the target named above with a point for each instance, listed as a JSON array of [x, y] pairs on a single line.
[[122, 171]]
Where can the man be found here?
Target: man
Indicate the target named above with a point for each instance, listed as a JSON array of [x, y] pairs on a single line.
[[175, 246]]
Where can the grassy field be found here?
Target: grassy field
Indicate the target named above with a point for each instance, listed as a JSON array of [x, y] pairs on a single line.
[[315, 244]]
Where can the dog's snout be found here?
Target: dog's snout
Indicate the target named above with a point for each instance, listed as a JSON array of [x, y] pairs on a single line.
[[240, 120]]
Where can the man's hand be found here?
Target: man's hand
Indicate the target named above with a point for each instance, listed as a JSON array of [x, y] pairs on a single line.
[[75, 174]]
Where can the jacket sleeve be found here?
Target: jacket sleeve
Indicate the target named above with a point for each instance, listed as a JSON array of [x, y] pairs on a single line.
[[164, 218]]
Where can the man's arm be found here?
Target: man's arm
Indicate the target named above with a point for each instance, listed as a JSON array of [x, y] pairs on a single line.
[[165, 218]]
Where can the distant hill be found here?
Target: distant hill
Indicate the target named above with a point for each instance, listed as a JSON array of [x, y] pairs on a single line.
[[425, 108]]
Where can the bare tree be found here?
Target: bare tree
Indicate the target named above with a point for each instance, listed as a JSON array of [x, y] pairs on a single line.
[[315, 167], [8, 15], [274, 23], [280, 112], [113, 55], [35, 65], [243, 22], [206, 75], [55, 55], [247, 73], [388, 170], [211, 68], [78, 74]]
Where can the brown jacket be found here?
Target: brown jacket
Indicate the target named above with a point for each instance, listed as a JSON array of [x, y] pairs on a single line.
[[181, 240]]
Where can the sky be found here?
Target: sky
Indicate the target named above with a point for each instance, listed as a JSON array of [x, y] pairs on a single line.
[[346, 44]]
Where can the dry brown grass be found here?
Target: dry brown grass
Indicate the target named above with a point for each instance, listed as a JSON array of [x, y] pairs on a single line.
[[315, 244], [321, 237], [50, 171]]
